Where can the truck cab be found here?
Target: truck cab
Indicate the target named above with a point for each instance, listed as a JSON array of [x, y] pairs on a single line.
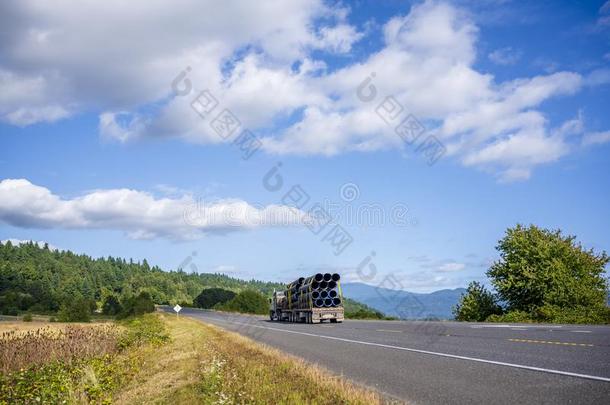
[[275, 305]]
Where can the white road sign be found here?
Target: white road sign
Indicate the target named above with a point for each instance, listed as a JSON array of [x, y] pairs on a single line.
[[177, 308]]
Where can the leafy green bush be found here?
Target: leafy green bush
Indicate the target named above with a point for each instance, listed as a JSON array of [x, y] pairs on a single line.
[[212, 296], [137, 305], [476, 305], [248, 301], [47, 384], [91, 381], [554, 314], [76, 310], [12, 311], [542, 276], [579, 314], [15, 301], [111, 305], [144, 329], [27, 318], [512, 316], [550, 276]]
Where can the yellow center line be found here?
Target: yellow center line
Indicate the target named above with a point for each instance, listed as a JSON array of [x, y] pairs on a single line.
[[548, 342], [389, 330]]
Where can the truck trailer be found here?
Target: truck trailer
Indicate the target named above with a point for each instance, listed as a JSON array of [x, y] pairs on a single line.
[[309, 300]]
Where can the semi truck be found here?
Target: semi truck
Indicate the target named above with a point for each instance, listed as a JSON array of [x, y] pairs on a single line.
[[309, 300]]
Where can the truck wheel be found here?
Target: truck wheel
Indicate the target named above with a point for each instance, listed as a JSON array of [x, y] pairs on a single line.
[[333, 321]]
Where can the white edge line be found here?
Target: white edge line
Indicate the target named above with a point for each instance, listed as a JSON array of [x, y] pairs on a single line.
[[517, 326], [453, 356]]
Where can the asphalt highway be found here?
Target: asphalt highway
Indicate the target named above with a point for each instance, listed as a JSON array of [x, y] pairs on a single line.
[[447, 362]]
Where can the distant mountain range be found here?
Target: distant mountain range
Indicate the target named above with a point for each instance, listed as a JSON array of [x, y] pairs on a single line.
[[405, 304]]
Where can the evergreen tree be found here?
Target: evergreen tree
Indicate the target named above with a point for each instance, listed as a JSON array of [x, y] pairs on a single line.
[[248, 301], [476, 305], [111, 305], [75, 310], [212, 296]]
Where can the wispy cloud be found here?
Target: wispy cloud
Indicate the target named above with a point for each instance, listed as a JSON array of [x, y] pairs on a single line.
[[596, 138], [419, 258], [450, 267], [505, 56]]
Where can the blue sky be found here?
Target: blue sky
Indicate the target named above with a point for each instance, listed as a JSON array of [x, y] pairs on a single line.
[[101, 155]]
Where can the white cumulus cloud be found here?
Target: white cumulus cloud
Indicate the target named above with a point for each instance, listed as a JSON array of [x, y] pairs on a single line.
[[261, 60], [137, 213]]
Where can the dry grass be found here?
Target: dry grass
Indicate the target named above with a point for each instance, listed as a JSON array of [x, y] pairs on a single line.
[[205, 364], [29, 344], [200, 364], [20, 326]]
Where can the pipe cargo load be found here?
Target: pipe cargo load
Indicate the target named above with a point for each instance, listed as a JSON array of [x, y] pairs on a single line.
[[312, 299]]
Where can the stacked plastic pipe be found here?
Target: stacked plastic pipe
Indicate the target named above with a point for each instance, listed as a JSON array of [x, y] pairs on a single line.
[[317, 291]]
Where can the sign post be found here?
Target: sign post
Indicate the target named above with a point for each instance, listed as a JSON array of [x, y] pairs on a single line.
[[177, 308]]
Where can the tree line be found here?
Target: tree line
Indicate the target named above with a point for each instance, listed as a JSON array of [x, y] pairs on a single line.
[[72, 287], [42, 280]]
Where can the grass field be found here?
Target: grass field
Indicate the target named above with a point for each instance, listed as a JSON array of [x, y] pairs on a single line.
[[204, 364], [163, 359]]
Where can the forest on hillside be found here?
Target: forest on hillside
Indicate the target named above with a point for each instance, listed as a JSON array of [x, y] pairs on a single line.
[[40, 279]]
